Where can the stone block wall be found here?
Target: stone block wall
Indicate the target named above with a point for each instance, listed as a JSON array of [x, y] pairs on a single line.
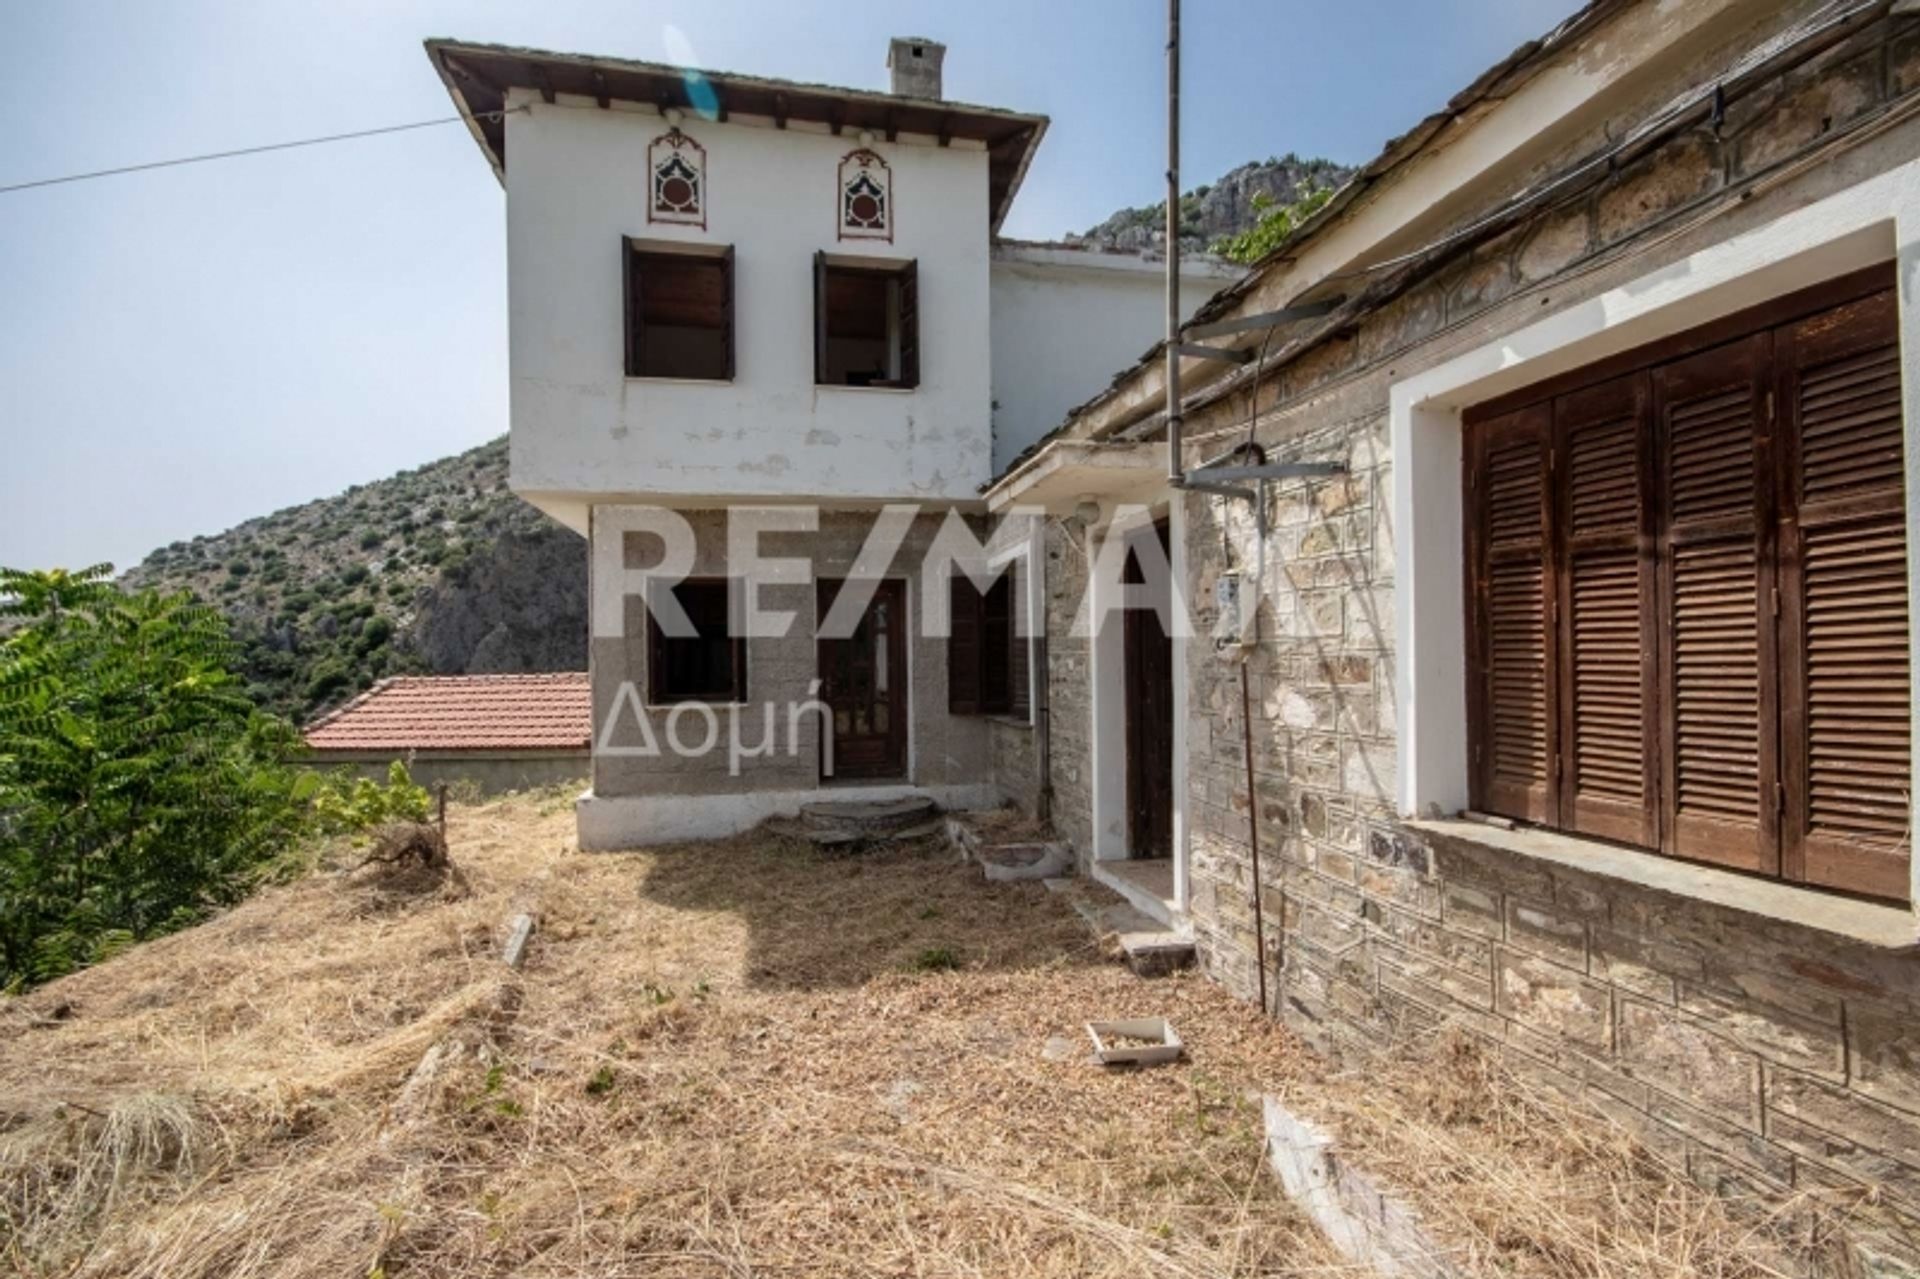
[[1753, 1052], [946, 750]]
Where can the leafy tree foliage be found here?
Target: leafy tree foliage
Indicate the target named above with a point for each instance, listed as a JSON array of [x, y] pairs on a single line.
[[139, 786], [1276, 225]]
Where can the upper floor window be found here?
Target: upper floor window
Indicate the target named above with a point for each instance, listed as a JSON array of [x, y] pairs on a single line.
[[679, 320], [866, 322], [1688, 617]]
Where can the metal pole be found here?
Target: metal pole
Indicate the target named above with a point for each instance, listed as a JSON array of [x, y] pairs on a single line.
[[1253, 838], [1175, 472]]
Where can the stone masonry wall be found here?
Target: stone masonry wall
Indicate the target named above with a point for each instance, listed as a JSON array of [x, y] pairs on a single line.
[[946, 750], [1754, 1053]]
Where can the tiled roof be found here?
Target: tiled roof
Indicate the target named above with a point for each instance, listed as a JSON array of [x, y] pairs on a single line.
[[462, 712]]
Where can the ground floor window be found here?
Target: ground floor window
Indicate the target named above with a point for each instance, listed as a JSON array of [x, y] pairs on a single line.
[[708, 666], [1687, 611], [988, 659]]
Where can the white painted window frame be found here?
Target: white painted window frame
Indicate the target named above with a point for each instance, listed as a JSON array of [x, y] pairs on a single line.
[[1875, 221]]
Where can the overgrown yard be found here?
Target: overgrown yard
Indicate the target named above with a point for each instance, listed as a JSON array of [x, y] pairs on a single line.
[[733, 1059]]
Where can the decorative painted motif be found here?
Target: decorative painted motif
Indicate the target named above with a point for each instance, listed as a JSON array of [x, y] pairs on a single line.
[[866, 197], [679, 169]]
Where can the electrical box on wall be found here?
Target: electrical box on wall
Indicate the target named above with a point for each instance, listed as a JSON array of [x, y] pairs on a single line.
[[1226, 595]]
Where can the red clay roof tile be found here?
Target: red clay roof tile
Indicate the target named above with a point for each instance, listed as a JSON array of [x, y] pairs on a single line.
[[462, 712]]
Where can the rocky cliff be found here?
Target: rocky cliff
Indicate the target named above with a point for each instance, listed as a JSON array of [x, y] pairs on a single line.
[[1211, 212], [440, 569]]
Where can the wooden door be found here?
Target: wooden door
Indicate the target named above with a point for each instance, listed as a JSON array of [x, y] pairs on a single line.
[[863, 681], [1149, 705]]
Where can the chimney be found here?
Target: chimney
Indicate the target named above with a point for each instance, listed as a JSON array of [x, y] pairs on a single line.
[[915, 64]]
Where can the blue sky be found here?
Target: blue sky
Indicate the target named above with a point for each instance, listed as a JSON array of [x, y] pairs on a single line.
[[185, 349]]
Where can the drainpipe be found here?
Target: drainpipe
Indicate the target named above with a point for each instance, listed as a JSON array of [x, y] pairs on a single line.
[[1176, 474]]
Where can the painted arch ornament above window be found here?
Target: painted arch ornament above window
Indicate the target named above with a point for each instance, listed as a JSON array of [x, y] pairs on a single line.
[[866, 197], [677, 167]]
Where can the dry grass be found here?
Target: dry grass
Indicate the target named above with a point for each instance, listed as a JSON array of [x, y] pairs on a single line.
[[722, 1060], [719, 1060], [1512, 1178]]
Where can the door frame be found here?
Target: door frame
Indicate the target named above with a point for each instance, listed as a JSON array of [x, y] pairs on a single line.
[[1133, 624], [900, 656], [1107, 690]]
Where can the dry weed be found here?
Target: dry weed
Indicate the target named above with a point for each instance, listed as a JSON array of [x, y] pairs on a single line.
[[733, 1059]]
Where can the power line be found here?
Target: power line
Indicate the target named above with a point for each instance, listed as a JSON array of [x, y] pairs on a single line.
[[270, 146]]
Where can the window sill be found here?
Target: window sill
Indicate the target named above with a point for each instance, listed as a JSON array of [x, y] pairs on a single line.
[[1011, 721], [1878, 924], [865, 390], [665, 379]]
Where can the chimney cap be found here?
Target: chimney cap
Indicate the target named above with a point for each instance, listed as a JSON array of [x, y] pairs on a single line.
[[915, 64]]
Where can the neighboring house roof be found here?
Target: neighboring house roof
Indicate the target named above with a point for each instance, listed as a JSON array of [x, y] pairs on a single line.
[[479, 75], [1089, 256], [462, 712]]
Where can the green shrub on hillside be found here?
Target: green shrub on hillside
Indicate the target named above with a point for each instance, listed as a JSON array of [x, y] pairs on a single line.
[[139, 787]]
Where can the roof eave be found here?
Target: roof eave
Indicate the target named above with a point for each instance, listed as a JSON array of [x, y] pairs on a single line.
[[1021, 128]]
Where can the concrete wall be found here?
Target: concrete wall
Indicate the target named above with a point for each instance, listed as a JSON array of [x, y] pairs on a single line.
[[490, 773], [1065, 321], [578, 183], [1762, 1035]]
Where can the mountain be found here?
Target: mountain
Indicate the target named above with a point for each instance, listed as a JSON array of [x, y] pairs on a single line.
[[1223, 208], [443, 570], [439, 569]]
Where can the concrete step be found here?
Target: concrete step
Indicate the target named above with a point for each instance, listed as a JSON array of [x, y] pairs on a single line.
[[1151, 948], [868, 820], [979, 838]]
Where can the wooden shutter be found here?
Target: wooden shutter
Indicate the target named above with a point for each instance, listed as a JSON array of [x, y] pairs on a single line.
[[726, 307], [996, 638], [1846, 694], [1019, 664], [630, 288], [1514, 717], [910, 325], [963, 646], [1608, 681], [1716, 579], [820, 318]]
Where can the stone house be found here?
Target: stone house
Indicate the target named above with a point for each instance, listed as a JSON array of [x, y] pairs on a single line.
[[740, 303], [1567, 697], [1576, 706]]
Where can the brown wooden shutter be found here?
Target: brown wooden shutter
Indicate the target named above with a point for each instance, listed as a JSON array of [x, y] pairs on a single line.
[[1607, 678], [910, 324], [1514, 711], [963, 646], [726, 307], [630, 288], [820, 318], [996, 636], [1846, 695], [1716, 577], [1019, 665]]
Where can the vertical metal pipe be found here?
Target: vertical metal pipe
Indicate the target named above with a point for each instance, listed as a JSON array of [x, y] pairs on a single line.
[[1175, 471], [1253, 837]]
